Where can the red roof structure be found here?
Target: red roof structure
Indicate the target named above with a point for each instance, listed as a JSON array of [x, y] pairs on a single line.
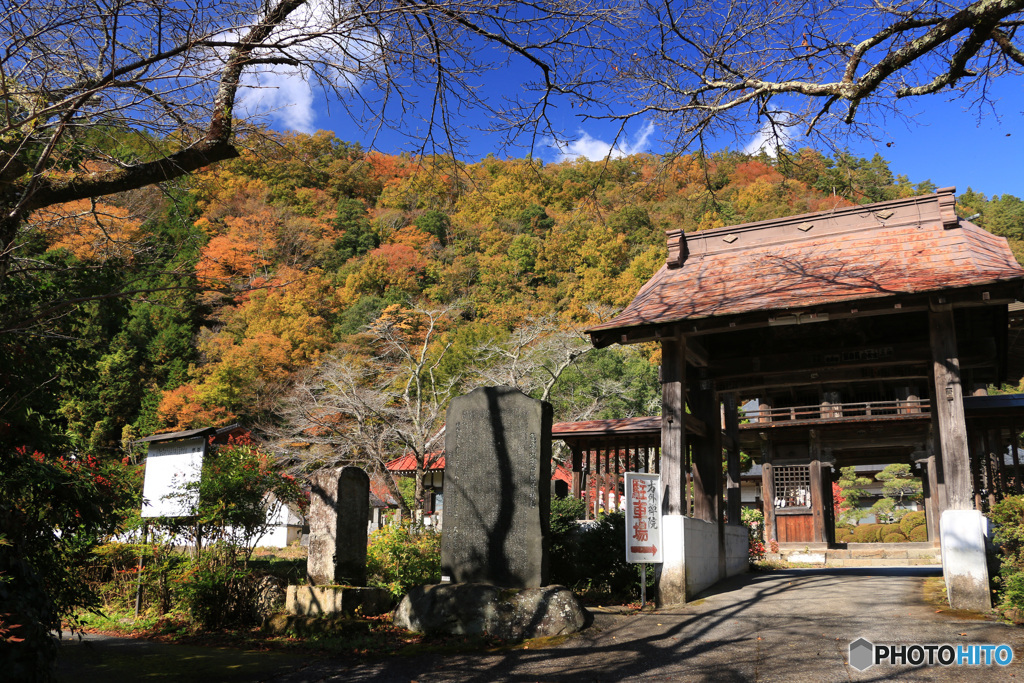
[[813, 261], [406, 464], [620, 427]]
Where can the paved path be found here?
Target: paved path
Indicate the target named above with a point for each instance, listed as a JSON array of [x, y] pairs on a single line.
[[788, 626]]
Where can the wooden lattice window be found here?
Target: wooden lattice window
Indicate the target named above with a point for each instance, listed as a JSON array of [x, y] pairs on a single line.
[[792, 486]]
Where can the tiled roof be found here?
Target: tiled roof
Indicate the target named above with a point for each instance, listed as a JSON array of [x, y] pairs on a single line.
[[380, 496], [623, 426], [407, 462], [904, 246]]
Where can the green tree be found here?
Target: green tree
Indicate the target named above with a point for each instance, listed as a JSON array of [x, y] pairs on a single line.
[[435, 223], [852, 487], [359, 236], [899, 487]]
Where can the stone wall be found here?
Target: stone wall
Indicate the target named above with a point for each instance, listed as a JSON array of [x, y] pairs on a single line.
[[737, 549], [701, 554]]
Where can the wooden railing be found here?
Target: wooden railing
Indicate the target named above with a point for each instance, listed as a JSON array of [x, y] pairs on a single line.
[[836, 411]]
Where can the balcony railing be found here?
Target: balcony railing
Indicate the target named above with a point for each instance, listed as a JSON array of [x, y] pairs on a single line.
[[836, 411]]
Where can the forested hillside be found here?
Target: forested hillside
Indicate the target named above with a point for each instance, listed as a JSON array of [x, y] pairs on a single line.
[[308, 264]]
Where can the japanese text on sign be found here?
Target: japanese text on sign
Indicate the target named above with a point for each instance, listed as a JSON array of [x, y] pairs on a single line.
[[643, 517]]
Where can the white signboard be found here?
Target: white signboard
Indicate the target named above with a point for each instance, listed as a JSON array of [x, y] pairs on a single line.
[[170, 465], [643, 517]]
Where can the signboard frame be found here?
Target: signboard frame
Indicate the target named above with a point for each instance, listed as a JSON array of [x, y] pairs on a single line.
[[643, 518], [171, 465]]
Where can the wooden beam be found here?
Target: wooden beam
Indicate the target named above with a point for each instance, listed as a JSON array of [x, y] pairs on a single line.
[[694, 425], [949, 403], [696, 355], [761, 381]]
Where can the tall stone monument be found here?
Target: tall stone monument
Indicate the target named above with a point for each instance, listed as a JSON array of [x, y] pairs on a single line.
[[497, 490], [338, 514]]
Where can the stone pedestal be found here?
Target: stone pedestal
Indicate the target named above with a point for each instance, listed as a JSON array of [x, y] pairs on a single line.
[[312, 601], [963, 536], [478, 609]]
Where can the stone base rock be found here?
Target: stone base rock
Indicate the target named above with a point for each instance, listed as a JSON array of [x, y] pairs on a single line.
[[477, 609], [316, 600]]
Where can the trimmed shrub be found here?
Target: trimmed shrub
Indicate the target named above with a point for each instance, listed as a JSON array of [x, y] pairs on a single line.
[[590, 557], [919, 534], [867, 533], [565, 533], [398, 558], [894, 537], [911, 521]]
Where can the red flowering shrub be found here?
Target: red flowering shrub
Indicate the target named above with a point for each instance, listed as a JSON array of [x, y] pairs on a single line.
[[53, 511]]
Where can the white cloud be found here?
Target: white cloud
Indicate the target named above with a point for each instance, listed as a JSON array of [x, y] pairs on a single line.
[[315, 33], [774, 133], [284, 95], [589, 147]]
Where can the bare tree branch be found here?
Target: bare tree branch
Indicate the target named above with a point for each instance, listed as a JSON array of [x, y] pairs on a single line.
[[714, 67]]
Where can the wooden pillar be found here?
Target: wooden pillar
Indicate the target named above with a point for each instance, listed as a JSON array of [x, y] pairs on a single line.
[[732, 429], [673, 439], [768, 490], [707, 454], [949, 403], [577, 470], [672, 572], [976, 452], [817, 497], [932, 508]]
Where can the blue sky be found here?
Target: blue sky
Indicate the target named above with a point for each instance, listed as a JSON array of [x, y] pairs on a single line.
[[946, 142]]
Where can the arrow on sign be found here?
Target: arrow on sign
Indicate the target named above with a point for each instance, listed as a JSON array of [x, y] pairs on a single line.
[[643, 549]]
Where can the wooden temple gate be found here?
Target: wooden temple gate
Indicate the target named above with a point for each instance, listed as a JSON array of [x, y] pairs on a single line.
[[855, 301]]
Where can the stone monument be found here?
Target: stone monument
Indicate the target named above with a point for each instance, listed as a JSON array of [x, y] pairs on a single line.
[[338, 514], [339, 511], [494, 546], [497, 490]]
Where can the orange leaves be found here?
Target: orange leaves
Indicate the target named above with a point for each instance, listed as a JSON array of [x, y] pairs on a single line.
[[387, 268], [91, 232], [183, 408], [241, 251]]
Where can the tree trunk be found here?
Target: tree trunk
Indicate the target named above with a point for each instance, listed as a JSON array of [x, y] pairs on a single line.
[[419, 492]]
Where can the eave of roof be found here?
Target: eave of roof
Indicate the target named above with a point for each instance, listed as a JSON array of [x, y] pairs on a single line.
[[188, 434], [406, 464], [906, 246], [174, 436], [619, 427]]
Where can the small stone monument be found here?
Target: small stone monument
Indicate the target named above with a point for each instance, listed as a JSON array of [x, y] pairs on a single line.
[[338, 512], [497, 489], [336, 568]]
